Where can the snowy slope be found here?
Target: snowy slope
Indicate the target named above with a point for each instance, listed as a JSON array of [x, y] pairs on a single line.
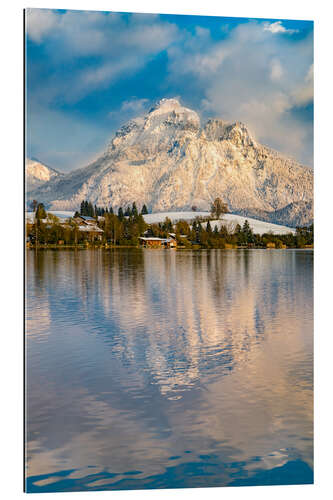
[[258, 227], [38, 174], [230, 220], [168, 161], [61, 214], [173, 216]]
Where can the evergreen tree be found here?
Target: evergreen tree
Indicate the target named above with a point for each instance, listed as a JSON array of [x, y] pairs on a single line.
[[182, 227], [246, 227], [198, 231], [203, 238], [247, 231], [216, 231], [134, 209], [208, 227], [82, 208], [167, 225], [90, 209], [144, 210], [142, 226], [128, 212], [224, 231], [120, 213], [40, 211]]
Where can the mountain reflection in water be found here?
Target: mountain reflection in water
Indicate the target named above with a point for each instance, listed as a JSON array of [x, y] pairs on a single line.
[[157, 369]]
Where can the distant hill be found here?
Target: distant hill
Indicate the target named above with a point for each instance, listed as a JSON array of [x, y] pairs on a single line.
[[298, 213], [38, 174]]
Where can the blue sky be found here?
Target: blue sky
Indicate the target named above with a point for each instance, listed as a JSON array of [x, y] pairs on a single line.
[[90, 72]]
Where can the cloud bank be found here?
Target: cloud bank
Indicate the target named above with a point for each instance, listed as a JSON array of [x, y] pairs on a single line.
[[101, 69], [256, 77]]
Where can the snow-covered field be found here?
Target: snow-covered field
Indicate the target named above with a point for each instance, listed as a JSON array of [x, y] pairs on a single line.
[[173, 216], [58, 213], [258, 226], [61, 214]]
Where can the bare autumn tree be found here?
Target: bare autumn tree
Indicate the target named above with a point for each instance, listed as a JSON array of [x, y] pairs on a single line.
[[218, 208]]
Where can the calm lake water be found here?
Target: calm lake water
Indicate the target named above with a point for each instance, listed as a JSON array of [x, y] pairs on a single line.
[[165, 369]]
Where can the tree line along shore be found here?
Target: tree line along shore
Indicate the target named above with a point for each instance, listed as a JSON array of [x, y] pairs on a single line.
[[100, 227]]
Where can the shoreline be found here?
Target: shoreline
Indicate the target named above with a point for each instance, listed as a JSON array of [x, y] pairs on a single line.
[[115, 247]]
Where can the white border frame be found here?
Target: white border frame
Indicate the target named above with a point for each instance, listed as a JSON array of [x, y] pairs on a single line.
[[12, 248]]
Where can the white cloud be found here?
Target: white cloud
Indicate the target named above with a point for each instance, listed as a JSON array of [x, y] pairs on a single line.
[[104, 34], [121, 46], [105, 73], [303, 95], [39, 23], [277, 27], [251, 75], [130, 108], [257, 78], [276, 70], [136, 106]]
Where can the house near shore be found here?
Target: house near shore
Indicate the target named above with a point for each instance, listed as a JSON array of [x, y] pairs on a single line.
[[85, 220], [87, 224], [94, 231], [154, 242], [173, 235]]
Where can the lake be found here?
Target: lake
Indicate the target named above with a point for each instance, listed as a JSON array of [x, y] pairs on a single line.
[[168, 369]]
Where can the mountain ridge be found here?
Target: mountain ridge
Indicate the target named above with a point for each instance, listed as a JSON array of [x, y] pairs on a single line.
[[166, 160], [37, 173]]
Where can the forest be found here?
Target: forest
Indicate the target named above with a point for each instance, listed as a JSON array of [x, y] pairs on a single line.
[[125, 227]]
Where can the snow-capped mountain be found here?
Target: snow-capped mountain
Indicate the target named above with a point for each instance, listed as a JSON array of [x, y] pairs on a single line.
[[166, 160], [38, 174]]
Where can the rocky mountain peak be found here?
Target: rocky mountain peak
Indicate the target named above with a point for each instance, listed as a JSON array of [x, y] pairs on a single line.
[[37, 173], [214, 129], [170, 113], [164, 123], [220, 130], [165, 160], [165, 106], [239, 135]]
